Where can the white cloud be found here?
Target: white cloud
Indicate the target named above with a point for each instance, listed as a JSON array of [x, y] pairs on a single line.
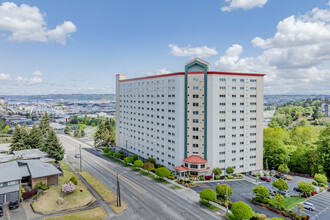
[[291, 59], [189, 51], [5, 77], [243, 4], [78, 79], [21, 81], [159, 72], [26, 23]]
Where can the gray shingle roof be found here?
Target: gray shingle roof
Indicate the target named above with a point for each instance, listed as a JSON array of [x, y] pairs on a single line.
[[9, 171], [40, 169], [30, 153]]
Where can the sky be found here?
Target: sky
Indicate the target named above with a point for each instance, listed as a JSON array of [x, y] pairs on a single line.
[[66, 47]]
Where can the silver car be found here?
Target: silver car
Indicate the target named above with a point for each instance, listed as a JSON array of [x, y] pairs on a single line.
[[308, 206]]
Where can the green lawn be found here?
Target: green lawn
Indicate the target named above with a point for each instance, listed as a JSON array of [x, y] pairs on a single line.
[[290, 202], [96, 213]]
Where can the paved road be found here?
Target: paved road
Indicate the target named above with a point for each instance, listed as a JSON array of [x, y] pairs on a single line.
[[146, 198]]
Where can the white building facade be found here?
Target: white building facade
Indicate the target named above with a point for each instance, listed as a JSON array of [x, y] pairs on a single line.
[[193, 121]]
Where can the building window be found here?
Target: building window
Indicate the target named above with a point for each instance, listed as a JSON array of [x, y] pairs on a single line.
[[253, 88], [233, 159], [222, 103], [222, 136], [195, 104], [222, 128], [193, 166], [222, 112], [222, 152], [222, 161], [195, 79], [195, 128], [195, 96], [253, 149], [195, 87], [195, 137], [253, 80], [195, 145], [222, 79], [222, 87], [234, 80], [195, 120], [222, 96], [202, 166], [234, 87], [241, 80]]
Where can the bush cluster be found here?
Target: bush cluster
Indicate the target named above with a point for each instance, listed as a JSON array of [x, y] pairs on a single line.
[[41, 186], [74, 180], [29, 194], [185, 182]]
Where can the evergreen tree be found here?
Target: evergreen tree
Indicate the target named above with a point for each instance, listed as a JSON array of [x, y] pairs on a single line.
[[18, 139], [67, 130], [53, 147], [44, 125], [34, 140], [82, 133], [76, 133]]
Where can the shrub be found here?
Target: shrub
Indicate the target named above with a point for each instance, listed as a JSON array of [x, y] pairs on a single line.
[[159, 166], [29, 194], [280, 184], [305, 187], [283, 168], [202, 178], [151, 160], [138, 163], [323, 185], [111, 152], [229, 177], [135, 157], [320, 178], [117, 155], [217, 171], [216, 177], [68, 187], [208, 194], [148, 166], [22, 190], [221, 190], [241, 210], [129, 159], [314, 183], [261, 192], [41, 186], [230, 170], [106, 150], [208, 177], [74, 180], [163, 172]]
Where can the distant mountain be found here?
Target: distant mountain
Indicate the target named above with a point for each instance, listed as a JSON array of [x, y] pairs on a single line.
[[62, 96]]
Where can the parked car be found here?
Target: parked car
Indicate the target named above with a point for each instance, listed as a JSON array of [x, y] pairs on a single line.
[[297, 189], [272, 192], [288, 177], [1, 211], [77, 155], [284, 192], [308, 206], [13, 205], [328, 189], [265, 178], [279, 176]]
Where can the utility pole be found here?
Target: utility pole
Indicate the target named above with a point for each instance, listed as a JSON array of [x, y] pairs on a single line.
[[80, 158], [118, 193]]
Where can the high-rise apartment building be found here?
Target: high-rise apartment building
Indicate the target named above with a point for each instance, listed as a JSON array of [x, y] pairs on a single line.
[[193, 121]]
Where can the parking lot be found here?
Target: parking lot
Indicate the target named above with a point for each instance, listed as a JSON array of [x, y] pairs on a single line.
[[322, 206], [242, 191]]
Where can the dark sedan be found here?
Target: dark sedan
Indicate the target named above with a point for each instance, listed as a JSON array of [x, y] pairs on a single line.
[[13, 205], [1, 211], [297, 189], [279, 176]]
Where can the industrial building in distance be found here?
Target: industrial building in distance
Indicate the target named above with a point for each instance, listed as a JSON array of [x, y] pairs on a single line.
[[193, 121]]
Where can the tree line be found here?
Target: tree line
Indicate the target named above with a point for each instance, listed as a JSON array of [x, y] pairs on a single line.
[[305, 149], [41, 137]]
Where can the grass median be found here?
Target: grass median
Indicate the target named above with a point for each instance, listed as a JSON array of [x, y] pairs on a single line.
[[290, 202], [100, 188], [96, 213]]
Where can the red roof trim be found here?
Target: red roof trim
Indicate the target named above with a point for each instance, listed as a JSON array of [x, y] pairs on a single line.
[[197, 59], [195, 159], [120, 74], [182, 73], [181, 168]]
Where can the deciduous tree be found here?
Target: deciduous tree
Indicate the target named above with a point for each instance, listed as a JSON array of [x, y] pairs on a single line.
[[208, 195], [241, 210]]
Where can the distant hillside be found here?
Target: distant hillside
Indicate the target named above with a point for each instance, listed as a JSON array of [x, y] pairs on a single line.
[[276, 99], [63, 96]]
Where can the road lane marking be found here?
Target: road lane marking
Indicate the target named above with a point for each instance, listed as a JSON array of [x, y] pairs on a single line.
[[129, 182]]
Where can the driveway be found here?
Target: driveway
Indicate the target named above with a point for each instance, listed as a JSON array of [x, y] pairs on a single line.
[[14, 214]]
